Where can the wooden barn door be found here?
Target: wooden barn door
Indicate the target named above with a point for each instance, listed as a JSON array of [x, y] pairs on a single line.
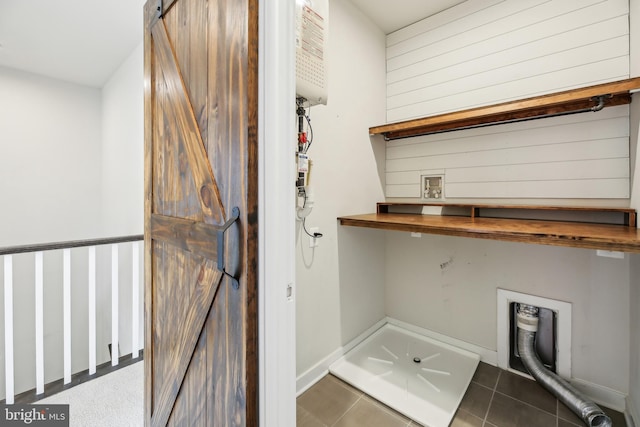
[[201, 351]]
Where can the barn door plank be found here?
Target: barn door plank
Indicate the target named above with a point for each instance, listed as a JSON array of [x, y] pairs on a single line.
[[201, 100], [195, 237], [199, 304], [186, 122]]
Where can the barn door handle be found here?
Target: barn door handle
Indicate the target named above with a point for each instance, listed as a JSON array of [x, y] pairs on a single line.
[[235, 215]]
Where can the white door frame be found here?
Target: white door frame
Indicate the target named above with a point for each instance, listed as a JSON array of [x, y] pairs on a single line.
[[276, 229]]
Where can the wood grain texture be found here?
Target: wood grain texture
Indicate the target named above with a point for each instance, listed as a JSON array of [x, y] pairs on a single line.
[[531, 107], [196, 237], [232, 143], [383, 207], [202, 131], [183, 113], [554, 233], [183, 336], [251, 247]]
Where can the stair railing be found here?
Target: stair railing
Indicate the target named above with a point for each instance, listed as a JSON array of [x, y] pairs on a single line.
[[96, 277]]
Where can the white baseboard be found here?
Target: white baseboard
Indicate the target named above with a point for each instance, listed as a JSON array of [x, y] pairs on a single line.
[[320, 369], [601, 395], [487, 356]]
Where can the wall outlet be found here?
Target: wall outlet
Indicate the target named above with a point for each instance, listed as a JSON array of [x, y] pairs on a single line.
[[610, 254], [314, 241]]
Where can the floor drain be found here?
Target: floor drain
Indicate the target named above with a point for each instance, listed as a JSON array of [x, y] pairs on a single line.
[[419, 377]]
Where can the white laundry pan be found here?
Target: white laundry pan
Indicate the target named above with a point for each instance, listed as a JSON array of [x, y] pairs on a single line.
[[417, 376]]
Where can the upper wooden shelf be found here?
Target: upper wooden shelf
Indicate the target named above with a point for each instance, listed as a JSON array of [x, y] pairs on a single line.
[[624, 238], [567, 102]]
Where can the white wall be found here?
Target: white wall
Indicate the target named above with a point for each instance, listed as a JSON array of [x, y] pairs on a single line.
[[634, 375], [70, 168], [581, 156], [123, 176], [340, 283], [633, 401], [488, 51], [634, 42], [448, 285], [50, 183], [50, 164], [123, 148]]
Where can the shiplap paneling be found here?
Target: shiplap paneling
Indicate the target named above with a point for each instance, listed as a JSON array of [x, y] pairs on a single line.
[[579, 169], [566, 189], [483, 52], [613, 53], [516, 89], [605, 124], [550, 19], [489, 51], [439, 20], [569, 151], [579, 156], [463, 63]]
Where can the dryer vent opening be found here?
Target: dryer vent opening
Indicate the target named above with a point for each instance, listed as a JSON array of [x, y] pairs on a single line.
[[554, 346], [545, 343]]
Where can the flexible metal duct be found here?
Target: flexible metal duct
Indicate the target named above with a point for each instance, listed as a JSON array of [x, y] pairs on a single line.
[[590, 413]]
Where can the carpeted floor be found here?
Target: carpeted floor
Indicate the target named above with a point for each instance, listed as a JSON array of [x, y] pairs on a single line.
[[113, 400]]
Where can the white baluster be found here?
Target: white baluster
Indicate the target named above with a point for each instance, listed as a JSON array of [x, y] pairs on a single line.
[[39, 297], [66, 297], [92, 310], [114, 305], [8, 329], [135, 301]]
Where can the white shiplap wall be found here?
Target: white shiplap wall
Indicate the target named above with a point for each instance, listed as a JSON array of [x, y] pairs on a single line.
[[487, 51], [579, 156]]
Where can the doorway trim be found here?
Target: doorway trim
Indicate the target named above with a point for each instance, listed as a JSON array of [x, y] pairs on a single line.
[[276, 234]]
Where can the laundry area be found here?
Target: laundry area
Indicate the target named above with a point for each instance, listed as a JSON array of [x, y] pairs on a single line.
[[467, 191]]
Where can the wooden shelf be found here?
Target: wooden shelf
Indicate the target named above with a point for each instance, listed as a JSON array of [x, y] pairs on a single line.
[[623, 238], [567, 102]]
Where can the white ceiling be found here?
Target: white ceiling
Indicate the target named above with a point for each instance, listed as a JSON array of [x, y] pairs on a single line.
[[391, 15], [84, 41]]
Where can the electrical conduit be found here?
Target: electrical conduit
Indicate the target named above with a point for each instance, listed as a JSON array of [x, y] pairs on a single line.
[[590, 413]]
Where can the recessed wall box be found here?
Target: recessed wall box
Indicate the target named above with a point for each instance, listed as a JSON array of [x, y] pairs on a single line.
[[432, 187]]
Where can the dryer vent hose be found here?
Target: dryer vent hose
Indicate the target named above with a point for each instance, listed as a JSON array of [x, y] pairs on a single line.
[[588, 411]]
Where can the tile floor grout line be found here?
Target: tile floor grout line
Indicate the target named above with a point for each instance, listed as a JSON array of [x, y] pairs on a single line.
[[527, 403], [383, 407], [347, 411], [484, 421], [493, 393]]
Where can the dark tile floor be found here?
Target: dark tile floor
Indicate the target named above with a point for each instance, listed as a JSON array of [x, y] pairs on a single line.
[[495, 398]]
